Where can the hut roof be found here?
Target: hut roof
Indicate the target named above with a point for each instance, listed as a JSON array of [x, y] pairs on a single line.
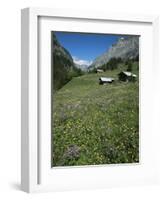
[[100, 70], [105, 79], [129, 74]]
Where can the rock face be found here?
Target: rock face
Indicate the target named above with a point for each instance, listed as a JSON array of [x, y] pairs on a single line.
[[62, 53], [125, 48]]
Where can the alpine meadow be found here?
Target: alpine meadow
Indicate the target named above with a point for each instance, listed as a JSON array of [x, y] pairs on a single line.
[[95, 99]]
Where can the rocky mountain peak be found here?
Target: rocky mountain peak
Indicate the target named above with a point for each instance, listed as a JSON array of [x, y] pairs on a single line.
[[125, 48]]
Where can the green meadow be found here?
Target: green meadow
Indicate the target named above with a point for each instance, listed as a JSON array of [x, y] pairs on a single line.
[[96, 124]]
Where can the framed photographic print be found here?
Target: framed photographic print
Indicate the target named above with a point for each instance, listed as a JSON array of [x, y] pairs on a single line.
[[89, 93]]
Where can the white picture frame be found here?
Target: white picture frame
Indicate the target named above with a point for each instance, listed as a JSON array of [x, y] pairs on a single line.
[[36, 173]]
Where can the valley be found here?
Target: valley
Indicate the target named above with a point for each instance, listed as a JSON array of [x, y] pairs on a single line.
[[95, 123], [98, 124]]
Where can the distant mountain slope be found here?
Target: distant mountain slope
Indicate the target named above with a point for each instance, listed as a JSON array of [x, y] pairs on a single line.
[[60, 51], [82, 67], [125, 48], [63, 66], [82, 64]]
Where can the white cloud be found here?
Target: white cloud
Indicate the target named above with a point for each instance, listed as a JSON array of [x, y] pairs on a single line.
[[81, 62]]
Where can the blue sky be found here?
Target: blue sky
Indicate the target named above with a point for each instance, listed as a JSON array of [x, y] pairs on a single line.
[[84, 48]]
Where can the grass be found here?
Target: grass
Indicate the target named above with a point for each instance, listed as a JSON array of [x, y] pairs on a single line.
[[96, 124]]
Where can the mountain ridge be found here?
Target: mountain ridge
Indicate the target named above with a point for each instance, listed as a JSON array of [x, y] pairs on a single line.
[[125, 48], [64, 68]]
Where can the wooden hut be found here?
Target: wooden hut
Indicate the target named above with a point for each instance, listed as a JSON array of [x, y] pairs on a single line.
[[104, 80], [127, 76], [99, 70]]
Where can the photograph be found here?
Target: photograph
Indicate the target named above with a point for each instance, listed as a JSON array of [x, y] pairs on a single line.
[[94, 99]]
